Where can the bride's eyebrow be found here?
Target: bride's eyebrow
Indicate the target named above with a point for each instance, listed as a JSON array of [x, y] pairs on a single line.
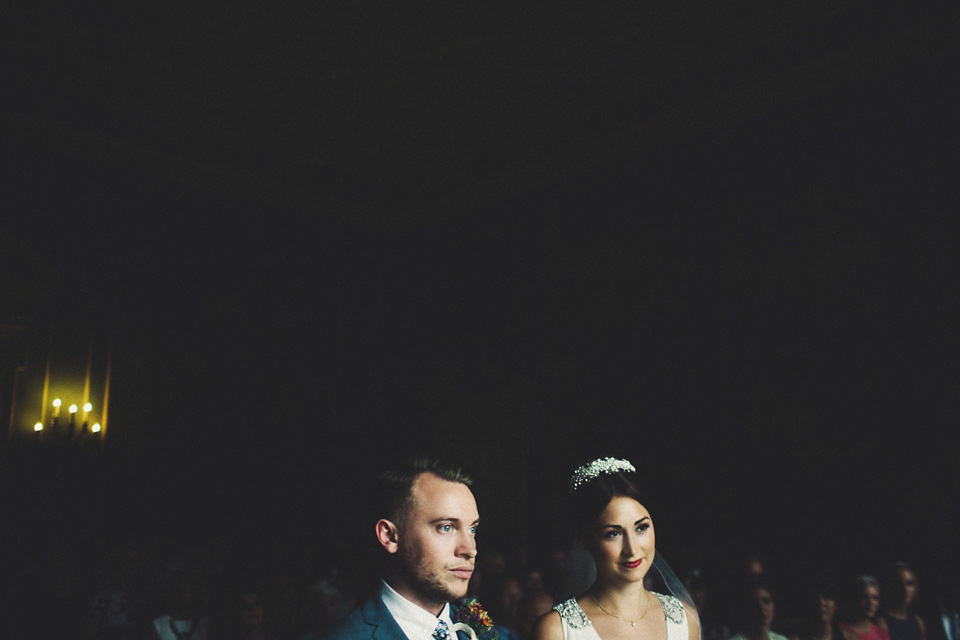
[[617, 526]]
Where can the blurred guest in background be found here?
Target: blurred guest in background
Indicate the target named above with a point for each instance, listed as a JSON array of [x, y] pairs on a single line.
[[324, 607], [754, 611], [120, 608], [860, 606], [899, 588], [700, 588], [244, 618], [818, 614], [503, 598]]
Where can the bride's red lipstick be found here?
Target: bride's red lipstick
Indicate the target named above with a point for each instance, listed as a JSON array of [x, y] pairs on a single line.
[[634, 565]]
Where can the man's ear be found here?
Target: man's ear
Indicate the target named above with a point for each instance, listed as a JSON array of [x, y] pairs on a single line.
[[387, 535]]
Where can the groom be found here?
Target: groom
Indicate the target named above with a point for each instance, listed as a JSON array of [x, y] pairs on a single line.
[[427, 527]]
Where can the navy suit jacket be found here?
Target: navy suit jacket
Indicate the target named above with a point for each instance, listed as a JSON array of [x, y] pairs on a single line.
[[372, 620]]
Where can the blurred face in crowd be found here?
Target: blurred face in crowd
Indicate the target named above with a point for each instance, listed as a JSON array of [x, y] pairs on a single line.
[[869, 601], [828, 608], [763, 608], [251, 611], [508, 598], [753, 568], [906, 586]]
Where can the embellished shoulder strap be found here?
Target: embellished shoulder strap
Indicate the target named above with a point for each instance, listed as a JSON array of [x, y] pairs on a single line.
[[572, 614], [672, 607]]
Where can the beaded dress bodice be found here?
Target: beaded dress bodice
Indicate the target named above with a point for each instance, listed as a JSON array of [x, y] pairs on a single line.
[[577, 626]]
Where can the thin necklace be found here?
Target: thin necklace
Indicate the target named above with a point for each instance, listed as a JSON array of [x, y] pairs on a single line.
[[633, 623]]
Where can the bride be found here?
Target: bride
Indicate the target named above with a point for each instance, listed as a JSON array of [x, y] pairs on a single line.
[[617, 530]]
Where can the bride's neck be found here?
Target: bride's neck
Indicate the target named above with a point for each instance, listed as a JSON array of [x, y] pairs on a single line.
[[626, 598]]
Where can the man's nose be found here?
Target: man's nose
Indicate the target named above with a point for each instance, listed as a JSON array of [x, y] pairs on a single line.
[[467, 545]]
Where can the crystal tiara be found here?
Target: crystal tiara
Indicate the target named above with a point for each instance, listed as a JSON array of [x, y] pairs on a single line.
[[588, 472]]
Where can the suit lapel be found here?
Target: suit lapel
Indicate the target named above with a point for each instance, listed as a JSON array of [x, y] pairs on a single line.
[[382, 624], [384, 627]]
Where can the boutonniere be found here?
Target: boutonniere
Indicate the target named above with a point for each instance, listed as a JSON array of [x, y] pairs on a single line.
[[472, 619]]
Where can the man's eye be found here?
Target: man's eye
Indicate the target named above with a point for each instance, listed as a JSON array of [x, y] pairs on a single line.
[[445, 528], [473, 531]]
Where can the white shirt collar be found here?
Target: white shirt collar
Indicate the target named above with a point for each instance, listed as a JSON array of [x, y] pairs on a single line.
[[416, 622]]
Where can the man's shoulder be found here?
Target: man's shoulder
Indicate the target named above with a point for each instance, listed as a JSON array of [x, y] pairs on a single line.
[[351, 626], [364, 621]]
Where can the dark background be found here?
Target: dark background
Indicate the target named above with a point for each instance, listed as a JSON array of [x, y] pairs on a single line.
[[716, 239]]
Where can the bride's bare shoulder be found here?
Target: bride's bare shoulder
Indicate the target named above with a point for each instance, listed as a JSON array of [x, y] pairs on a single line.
[[547, 627]]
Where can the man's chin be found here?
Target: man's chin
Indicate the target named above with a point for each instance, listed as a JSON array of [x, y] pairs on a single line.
[[456, 594], [435, 588], [441, 593]]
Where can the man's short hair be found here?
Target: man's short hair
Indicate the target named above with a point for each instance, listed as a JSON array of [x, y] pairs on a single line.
[[395, 492]]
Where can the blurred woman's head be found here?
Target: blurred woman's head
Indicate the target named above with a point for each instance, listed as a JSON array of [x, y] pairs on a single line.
[[862, 598], [826, 603], [754, 606]]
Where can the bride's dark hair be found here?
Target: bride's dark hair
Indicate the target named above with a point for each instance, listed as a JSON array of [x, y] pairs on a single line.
[[590, 498]]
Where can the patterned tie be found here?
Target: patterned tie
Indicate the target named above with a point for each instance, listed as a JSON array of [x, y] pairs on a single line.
[[441, 633]]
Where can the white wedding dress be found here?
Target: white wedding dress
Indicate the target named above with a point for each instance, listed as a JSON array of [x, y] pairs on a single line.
[[576, 625]]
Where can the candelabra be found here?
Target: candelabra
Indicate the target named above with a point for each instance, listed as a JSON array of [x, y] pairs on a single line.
[[72, 433]]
